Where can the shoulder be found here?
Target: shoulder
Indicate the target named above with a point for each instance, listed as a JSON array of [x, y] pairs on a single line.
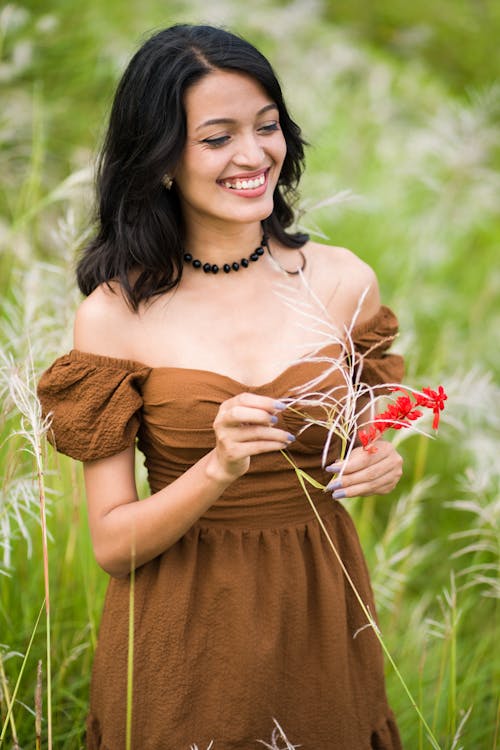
[[103, 322], [344, 280]]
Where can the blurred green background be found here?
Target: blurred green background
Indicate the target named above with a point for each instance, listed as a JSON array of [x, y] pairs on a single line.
[[400, 102]]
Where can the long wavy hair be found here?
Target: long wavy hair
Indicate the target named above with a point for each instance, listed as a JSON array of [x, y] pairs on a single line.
[[139, 224]]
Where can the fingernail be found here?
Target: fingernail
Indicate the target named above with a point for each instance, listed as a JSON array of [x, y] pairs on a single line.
[[335, 485], [338, 494], [279, 405], [290, 437], [274, 419], [334, 468]]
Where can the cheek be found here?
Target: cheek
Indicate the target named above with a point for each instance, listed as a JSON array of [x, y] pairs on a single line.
[[195, 171]]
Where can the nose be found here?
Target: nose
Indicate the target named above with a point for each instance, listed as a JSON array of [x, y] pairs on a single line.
[[249, 151]]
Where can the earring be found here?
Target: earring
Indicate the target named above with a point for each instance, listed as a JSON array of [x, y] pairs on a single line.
[[167, 181]]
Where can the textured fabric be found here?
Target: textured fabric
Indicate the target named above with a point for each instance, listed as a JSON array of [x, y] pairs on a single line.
[[248, 617], [94, 403]]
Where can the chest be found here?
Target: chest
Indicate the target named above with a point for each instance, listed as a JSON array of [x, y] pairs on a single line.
[[251, 337]]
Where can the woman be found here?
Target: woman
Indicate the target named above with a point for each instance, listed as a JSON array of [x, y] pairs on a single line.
[[242, 614]]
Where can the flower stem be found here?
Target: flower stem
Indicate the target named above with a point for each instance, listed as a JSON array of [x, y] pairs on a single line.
[[43, 520], [303, 477]]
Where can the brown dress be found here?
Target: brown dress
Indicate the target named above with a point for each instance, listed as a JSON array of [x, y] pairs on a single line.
[[248, 617]]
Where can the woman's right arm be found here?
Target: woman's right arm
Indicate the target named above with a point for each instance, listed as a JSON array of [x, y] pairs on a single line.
[[127, 532]]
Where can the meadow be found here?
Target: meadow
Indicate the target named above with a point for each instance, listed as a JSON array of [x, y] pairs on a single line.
[[401, 107]]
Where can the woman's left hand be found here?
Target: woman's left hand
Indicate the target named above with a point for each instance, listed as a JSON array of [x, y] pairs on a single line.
[[367, 473]]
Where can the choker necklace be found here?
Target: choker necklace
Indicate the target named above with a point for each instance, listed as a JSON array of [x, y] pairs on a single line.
[[227, 267]]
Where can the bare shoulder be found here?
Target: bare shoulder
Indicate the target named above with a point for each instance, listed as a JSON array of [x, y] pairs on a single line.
[[103, 322], [344, 280]]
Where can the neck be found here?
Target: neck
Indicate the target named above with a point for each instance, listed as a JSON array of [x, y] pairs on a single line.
[[225, 244]]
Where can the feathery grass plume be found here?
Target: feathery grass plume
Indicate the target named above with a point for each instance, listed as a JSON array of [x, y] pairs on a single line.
[[397, 552], [482, 541], [279, 740], [447, 630], [19, 506], [20, 384], [478, 426], [343, 410], [349, 407]]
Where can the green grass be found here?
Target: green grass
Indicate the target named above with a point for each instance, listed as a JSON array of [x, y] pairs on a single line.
[[406, 120]]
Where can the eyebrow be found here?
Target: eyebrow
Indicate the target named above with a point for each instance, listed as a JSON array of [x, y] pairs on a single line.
[[230, 121]]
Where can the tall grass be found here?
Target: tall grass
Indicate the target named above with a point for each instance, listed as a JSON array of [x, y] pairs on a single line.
[[403, 171]]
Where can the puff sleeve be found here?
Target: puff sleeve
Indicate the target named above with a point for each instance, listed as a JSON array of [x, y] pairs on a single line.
[[94, 403], [372, 340]]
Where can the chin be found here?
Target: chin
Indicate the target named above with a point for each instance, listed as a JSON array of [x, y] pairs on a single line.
[[257, 212]]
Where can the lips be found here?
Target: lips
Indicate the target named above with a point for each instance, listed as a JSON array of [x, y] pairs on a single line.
[[245, 182]]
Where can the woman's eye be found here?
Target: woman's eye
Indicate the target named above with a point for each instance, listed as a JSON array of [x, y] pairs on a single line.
[[270, 127], [214, 142]]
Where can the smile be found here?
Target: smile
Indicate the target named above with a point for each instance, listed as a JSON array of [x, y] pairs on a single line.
[[250, 183]]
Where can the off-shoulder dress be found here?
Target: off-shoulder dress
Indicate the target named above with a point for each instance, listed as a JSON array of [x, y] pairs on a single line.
[[248, 617]]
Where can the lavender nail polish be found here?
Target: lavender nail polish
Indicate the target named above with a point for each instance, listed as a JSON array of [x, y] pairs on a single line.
[[279, 405], [291, 437], [334, 468], [274, 419], [335, 485], [339, 494]]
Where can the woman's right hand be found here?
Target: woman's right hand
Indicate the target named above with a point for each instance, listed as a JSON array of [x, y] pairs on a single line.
[[244, 427]]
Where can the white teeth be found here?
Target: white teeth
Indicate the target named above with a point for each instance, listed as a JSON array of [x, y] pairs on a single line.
[[245, 184]]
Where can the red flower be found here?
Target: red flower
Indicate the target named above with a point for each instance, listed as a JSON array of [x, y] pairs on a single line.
[[402, 412], [435, 401], [367, 437], [396, 414]]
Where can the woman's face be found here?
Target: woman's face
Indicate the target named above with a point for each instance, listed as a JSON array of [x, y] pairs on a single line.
[[234, 151]]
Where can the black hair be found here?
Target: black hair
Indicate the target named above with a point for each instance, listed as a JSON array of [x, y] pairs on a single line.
[[139, 222]]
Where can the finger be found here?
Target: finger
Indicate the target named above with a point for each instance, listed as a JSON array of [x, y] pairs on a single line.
[[368, 482], [387, 467], [359, 458], [251, 433], [363, 489], [238, 414], [263, 446], [254, 401], [237, 451]]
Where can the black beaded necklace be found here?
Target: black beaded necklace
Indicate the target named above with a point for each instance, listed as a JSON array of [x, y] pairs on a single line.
[[227, 267]]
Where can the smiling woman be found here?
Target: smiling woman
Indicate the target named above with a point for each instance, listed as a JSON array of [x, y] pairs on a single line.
[[241, 613]]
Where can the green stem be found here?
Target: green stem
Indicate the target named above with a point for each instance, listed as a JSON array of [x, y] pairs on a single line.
[[302, 476], [5, 690], [45, 552], [19, 677], [43, 519]]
